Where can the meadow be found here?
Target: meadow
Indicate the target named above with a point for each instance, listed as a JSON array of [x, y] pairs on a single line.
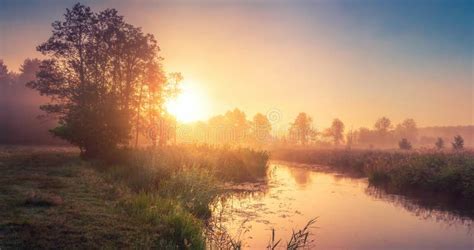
[[448, 172], [150, 198]]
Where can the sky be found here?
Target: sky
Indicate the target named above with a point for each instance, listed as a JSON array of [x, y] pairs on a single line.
[[354, 60]]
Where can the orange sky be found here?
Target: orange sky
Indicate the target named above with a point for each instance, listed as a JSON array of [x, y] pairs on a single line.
[[260, 57]]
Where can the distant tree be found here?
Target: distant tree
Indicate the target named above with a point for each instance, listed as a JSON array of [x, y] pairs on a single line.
[[439, 143], [407, 129], [383, 125], [95, 75], [261, 128], [28, 70], [364, 136], [458, 143], [5, 76], [301, 129], [237, 124], [404, 144], [336, 131], [383, 135]]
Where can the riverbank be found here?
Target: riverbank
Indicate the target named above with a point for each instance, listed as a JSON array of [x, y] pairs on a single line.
[[352, 214], [405, 171]]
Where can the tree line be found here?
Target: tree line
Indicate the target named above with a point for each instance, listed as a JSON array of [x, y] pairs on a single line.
[[233, 128]]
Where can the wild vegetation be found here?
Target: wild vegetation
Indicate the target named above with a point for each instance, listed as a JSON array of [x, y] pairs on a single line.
[[438, 171], [141, 180], [55, 199]]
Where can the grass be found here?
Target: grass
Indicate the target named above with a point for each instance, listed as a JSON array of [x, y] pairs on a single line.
[[225, 163], [433, 171], [53, 200], [176, 227], [134, 199]]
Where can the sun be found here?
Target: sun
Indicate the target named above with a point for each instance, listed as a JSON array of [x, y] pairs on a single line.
[[190, 105]]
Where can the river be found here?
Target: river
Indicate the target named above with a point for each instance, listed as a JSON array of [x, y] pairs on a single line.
[[350, 213]]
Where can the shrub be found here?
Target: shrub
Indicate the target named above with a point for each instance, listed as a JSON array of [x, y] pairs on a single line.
[[458, 143], [404, 144]]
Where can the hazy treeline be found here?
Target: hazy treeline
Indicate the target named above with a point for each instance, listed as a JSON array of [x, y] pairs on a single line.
[[236, 128], [233, 128], [19, 107], [22, 122]]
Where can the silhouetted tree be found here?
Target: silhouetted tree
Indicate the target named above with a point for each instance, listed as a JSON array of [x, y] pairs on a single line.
[[458, 143], [301, 129], [95, 77], [5, 76], [439, 143], [404, 144], [336, 131]]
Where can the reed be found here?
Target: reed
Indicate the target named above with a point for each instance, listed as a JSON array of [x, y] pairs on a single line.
[[438, 171]]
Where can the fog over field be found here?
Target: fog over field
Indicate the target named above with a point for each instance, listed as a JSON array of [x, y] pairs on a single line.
[[236, 124]]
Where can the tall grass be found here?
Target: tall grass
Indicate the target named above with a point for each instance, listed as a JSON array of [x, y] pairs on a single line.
[[171, 189], [448, 172], [175, 226], [227, 164]]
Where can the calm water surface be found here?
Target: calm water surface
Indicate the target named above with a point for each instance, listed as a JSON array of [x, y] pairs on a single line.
[[351, 215]]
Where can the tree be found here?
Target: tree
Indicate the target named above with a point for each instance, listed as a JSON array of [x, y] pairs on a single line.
[[404, 144], [383, 125], [301, 129], [95, 75], [28, 70], [458, 143], [5, 77], [439, 143], [237, 125], [407, 129], [336, 131], [261, 128], [383, 135]]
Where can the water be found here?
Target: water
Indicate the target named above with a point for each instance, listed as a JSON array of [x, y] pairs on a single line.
[[350, 214]]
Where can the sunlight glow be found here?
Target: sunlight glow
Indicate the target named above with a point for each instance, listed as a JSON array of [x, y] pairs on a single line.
[[190, 105]]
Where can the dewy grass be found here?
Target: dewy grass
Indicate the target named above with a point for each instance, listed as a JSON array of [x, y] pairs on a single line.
[[176, 226], [173, 187]]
